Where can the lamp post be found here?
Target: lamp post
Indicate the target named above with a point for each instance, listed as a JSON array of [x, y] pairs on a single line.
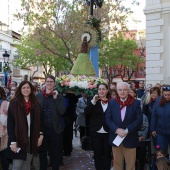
[[94, 2], [6, 66], [94, 55]]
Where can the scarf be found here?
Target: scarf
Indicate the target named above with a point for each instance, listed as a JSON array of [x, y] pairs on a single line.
[[128, 102], [163, 101], [27, 106], [152, 100], [46, 94], [21, 129], [104, 101]]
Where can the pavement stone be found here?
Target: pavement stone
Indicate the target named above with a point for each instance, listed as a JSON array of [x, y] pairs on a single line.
[[79, 159]]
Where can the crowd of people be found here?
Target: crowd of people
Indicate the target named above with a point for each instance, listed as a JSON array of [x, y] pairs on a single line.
[[132, 121], [36, 123]]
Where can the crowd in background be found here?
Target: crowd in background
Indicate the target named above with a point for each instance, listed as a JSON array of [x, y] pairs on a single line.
[[140, 116]]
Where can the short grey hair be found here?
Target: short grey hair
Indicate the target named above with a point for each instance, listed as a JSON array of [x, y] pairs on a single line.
[[123, 83]]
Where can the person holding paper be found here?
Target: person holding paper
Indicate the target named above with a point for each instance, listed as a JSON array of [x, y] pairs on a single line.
[[96, 110], [124, 119]]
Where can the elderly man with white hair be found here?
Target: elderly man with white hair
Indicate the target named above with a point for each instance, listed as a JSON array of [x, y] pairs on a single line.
[[124, 118]]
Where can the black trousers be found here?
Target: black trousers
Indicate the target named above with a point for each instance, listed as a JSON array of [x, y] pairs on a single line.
[[4, 161], [51, 144], [82, 132], [67, 139], [102, 150], [141, 154]]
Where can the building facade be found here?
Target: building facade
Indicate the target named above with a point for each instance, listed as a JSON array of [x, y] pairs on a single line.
[[157, 41], [7, 43]]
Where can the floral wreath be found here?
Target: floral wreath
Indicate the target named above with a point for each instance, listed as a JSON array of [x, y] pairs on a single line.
[[78, 84]]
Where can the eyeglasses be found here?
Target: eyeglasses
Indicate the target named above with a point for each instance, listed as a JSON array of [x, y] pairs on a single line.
[[166, 88], [50, 82]]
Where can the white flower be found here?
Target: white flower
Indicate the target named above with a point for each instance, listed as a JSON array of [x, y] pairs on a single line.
[[73, 83], [82, 84]]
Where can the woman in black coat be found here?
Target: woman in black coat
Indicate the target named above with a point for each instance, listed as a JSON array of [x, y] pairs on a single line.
[[95, 110], [24, 127]]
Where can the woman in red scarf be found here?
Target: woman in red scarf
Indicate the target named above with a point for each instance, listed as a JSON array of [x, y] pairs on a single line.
[[95, 110], [24, 126]]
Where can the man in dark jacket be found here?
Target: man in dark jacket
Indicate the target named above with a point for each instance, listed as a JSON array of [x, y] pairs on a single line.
[[141, 90], [52, 105], [124, 118]]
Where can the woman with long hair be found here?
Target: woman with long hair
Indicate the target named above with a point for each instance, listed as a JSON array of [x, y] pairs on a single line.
[[24, 126], [96, 110], [3, 129]]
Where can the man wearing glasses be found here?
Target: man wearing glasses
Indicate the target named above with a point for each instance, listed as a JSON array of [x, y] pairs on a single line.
[[124, 118], [52, 104]]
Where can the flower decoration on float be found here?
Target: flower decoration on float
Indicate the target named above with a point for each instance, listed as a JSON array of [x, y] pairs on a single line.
[[78, 84], [82, 78]]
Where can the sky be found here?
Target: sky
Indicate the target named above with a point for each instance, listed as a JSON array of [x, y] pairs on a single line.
[[138, 15], [8, 8], [14, 6]]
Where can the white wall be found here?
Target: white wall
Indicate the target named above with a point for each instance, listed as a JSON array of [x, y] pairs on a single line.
[[157, 41]]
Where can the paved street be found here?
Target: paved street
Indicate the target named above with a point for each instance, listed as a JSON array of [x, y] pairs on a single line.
[[79, 159]]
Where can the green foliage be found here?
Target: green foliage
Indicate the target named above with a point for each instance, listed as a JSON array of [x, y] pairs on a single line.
[[32, 53], [120, 52], [76, 90], [53, 26]]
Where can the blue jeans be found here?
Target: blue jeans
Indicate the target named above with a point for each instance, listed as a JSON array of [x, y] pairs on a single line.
[[50, 146], [163, 141]]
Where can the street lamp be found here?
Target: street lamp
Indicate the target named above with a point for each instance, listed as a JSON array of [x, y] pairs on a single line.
[[94, 2], [6, 66]]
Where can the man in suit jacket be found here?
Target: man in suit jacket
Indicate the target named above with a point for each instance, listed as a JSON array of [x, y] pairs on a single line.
[[124, 118]]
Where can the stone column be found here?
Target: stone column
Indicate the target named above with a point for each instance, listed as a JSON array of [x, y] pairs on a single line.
[[157, 41]]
